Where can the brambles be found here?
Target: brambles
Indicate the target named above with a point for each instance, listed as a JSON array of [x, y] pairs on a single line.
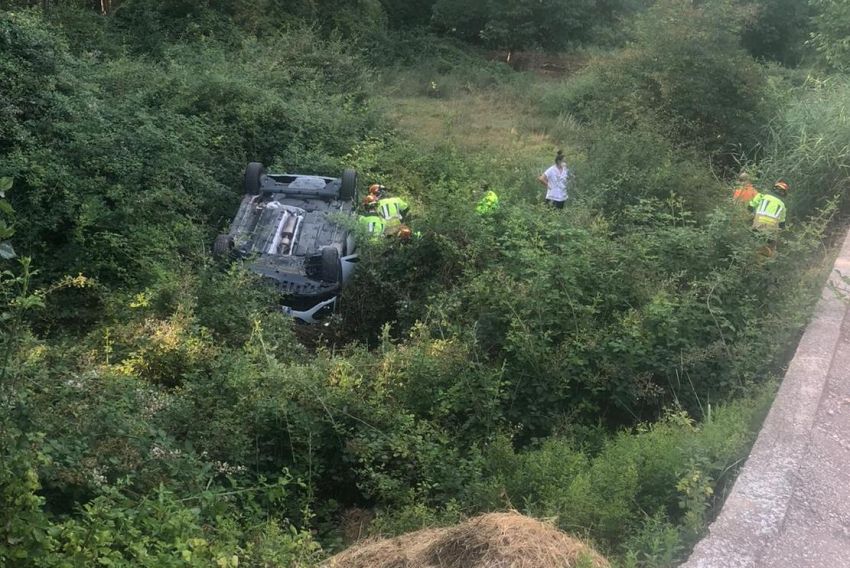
[[583, 364]]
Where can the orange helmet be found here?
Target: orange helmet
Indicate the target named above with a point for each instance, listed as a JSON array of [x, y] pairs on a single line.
[[781, 186], [376, 188], [370, 201], [404, 233]]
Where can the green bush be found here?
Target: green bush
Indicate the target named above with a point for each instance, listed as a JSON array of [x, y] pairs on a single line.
[[550, 25], [779, 31], [151, 26], [408, 13], [831, 30], [668, 473], [520, 359], [682, 72], [164, 530], [807, 145], [126, 167], [630, 167], [24, 527]]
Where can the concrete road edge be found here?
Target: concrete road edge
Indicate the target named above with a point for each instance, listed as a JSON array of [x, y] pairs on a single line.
[[754, 511]]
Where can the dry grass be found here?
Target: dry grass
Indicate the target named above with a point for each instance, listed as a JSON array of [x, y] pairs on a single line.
[[475, 122], [495, 540]]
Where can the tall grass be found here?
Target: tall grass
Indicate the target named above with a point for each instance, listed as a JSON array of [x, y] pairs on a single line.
[[808, 144]]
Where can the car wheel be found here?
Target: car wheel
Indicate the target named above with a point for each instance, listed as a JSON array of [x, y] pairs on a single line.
[[223, 246], [254, 174], [331, 269], [348, 189]]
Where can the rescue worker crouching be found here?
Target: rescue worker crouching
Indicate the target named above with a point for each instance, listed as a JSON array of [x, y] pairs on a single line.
[[488, 204], [377, 190], [769, 214], [769, 209], [393, 208], [744, 190], [374, 223], [384, 221], [399, 230]]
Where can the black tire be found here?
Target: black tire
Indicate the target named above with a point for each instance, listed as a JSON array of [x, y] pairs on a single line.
[[223, 246], [331, 268], [253, 179], [348, 189]]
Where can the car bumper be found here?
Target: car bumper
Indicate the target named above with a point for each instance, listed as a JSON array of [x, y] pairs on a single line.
[[318, 313]]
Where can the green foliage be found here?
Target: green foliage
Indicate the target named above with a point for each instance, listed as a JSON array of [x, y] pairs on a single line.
[[167, 413], [633, 166], [551, 25], [809, 146], [150, 26], [32, 62], [7, 251], [831, 32], [779, 30], [408, 13], [162, 530], [685, 71], [656, 545], [122, 186], [23, 524], [647, 491], [415, 517]]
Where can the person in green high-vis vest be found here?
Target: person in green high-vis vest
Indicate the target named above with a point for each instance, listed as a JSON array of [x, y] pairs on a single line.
[[488, 203], [769, 213], [373, 222], [769, 209], [393, 208]]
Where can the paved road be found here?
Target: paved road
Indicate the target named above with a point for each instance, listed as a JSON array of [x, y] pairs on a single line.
[[790, 506]]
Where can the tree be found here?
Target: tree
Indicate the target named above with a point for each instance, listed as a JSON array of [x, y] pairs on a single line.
[[408, 13], [831, 35], [685, 71], [779, 30], [521, 24]]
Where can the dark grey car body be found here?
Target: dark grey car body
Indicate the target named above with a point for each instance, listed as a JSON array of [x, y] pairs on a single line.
[[296, 231]]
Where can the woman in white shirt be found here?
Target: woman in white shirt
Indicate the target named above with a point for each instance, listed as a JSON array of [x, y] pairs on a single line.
[[554, 179]]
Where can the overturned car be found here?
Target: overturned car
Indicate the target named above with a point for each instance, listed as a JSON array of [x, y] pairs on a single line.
[[293, 231]]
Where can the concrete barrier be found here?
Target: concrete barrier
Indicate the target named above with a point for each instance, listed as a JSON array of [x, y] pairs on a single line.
[[790, 505]]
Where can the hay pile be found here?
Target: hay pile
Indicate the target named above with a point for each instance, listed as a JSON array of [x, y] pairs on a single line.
[[495, 540]]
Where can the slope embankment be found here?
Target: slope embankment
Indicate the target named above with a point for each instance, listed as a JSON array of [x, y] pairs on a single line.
[[790, 505]]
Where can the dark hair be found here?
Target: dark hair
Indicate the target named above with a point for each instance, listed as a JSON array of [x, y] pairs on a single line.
[[560, 156]]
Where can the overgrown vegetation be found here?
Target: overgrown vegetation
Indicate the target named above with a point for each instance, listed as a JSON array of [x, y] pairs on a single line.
[[607, 365]]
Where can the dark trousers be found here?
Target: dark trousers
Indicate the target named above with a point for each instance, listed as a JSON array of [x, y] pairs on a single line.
[[555, 204]]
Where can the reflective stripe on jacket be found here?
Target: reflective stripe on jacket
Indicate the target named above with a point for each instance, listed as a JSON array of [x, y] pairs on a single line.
[[390, 207], [769, 211], [374, 224]]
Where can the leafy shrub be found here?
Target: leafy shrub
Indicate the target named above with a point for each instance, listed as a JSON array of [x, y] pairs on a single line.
[[831, 23], [682, 72], [23, 524], [779, 30], [34, 64], [493, 362], [163, 530], [408, 13], [640, 486], [125, 176], [808, 145], [630, 167], [551, 24], [150, 26]]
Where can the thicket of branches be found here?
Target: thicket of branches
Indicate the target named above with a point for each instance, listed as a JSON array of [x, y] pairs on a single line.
[[605, 365]]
